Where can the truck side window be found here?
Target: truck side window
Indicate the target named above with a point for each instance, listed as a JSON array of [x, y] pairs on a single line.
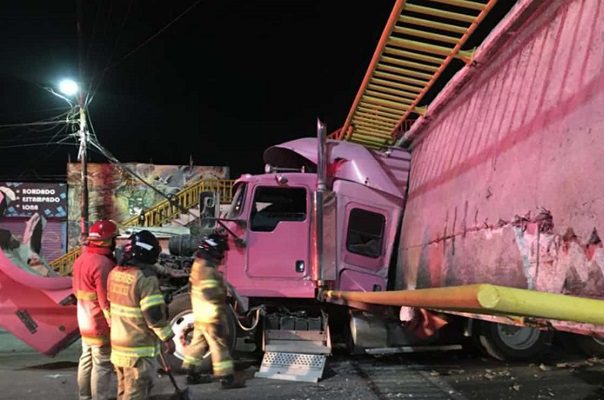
[[365, 233], [273, 205]]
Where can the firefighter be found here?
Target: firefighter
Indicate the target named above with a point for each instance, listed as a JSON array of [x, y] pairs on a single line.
[[208, 295], [139, 325], [90, 272]]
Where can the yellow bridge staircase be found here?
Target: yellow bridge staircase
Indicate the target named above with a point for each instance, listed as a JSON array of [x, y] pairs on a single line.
[[160, 214]]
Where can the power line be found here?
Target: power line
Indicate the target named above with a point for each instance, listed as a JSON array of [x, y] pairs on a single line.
[[156, 34]]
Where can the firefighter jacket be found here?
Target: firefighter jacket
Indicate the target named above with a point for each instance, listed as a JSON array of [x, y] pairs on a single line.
[[208, 292], [138, 314], [90, 272]]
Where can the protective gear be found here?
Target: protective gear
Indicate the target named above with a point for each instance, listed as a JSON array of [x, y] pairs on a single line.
[[136, 383], [90, 273], [103, 229], [138, 321], [208, 295], [213, 247], [231, 382], [144, 247], [94, 372], [196, 378]]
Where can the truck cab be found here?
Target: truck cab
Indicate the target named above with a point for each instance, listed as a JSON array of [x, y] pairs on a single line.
[[277, 215]]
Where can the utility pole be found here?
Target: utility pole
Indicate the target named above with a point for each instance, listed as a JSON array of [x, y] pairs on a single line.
[[83, 156], [82, 153]]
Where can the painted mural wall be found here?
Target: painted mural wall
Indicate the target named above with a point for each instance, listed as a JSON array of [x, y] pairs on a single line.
[[115, 194], [506, 178]]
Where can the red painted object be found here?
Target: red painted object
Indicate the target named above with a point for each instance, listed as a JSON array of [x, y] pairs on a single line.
[[38, 310]]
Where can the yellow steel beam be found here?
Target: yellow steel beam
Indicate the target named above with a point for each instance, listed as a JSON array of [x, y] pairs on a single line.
[[373, 130], [372, 123], [381, 95], [361, 123], [361, 114], [412, 55], [409, 64], [370, 143], [396, 10], [377, 135], [405, 19], [426, 35], [420, 46], [378, 111], [439, 13], [386, 103], [417, 44], [369, 138], [455, 52], [472, 5], [381, 107], [408, 88], [404, 71], [487, 299], [399, 78]]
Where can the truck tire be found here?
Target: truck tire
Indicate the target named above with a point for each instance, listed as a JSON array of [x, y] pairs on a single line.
[[511, 343], [180, 315]]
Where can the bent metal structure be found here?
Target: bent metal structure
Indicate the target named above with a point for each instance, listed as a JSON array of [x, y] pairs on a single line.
[[504, 187]]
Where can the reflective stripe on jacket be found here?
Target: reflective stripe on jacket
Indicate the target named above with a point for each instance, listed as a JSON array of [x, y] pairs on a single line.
[[208, 292], [138, 314], [90, 272]]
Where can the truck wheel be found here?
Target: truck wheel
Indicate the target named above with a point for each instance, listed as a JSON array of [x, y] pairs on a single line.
[[512, 343], [180, 315]]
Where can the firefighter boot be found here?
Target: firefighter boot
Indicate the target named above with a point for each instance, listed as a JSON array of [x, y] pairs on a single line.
[[196, 378], [232, 382]]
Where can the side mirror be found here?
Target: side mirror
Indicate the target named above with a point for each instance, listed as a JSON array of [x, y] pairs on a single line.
[[209, 208]]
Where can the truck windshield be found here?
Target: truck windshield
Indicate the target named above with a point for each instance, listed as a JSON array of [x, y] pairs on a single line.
[[272, 205], [238, 200]]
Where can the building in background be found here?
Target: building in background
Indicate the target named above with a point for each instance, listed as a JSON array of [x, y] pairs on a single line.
[[47, 199], [115, 194]]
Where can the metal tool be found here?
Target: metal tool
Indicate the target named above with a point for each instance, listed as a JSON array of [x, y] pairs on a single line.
[[181, 394]]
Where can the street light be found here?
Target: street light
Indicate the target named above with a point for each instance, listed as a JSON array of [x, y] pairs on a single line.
[[70, 88]]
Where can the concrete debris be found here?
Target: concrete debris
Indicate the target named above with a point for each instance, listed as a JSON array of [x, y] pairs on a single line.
[[544, 367]]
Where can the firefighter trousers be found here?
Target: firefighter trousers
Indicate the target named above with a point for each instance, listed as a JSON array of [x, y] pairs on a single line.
[[212, 337], [136, 382], [94, 372]]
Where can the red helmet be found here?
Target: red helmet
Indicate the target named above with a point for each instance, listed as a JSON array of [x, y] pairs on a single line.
[[103, 229]]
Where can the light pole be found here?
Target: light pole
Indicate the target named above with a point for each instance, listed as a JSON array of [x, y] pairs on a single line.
[[70, 88]]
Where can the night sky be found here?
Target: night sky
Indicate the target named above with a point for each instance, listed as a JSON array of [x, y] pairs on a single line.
[[219, 84], [216, 81]]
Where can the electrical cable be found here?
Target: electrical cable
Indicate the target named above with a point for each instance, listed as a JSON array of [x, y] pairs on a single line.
[[155, 34]]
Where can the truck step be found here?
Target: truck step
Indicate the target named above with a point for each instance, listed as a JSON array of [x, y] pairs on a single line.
[[292, 366]]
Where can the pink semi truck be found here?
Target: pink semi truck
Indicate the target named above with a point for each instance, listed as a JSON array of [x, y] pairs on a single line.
[[496, 229], [484, 224]]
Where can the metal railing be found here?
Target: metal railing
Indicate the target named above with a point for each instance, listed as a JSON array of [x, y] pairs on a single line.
[[407, 61], [161, 213]]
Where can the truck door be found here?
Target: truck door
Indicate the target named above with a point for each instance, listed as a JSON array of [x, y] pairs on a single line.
[[279, 230]]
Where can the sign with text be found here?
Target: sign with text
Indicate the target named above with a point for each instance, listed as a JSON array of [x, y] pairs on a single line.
[[28, 198]]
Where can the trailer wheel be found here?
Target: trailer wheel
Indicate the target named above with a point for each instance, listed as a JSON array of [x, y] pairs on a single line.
[[180, 315], [512, 343]]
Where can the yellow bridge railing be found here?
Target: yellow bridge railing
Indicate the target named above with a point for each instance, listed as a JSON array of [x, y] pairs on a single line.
[[161, 213]]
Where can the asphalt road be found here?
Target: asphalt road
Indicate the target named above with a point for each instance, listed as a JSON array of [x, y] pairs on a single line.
[[441, 375]]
